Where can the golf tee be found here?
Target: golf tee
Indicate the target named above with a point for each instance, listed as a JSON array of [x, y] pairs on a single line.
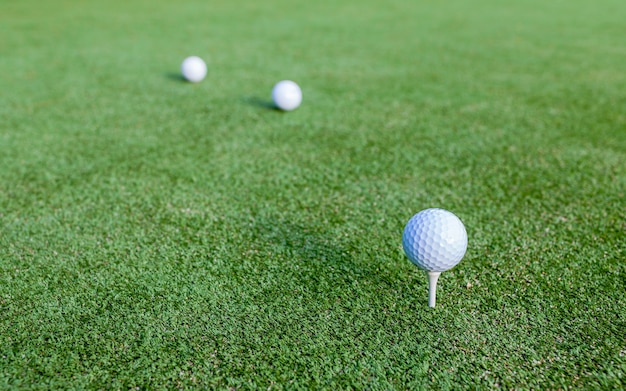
[[432, 287]]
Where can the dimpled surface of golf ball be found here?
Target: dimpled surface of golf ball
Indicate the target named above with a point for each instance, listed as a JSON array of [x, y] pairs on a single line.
[[435, 240], [287, 95], [193, 69]]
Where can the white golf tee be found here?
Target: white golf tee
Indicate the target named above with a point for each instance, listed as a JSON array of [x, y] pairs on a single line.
[[432, 287]]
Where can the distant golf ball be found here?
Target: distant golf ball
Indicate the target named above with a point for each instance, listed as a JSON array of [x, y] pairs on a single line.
[[287, 95], [435, 240], [193, 69]]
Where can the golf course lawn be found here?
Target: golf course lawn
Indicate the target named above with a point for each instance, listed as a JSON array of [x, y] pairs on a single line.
[[161, 234]]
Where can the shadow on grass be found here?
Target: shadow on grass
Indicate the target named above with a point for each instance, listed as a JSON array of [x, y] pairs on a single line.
[[323, 266], [175, 76], [260, 103], [315, 256]]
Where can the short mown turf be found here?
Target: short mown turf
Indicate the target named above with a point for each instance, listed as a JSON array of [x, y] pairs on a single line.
[[157, 234]]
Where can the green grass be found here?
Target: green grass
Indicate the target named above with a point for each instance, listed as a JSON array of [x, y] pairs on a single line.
[[158, 234]]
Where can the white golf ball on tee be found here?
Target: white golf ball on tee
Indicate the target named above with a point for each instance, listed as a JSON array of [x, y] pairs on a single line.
[[193, 69], [287, 95], [435, 240]]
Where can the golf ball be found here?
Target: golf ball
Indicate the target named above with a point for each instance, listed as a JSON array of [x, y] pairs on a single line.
[[435, 240], [287, 95], [193, 69]]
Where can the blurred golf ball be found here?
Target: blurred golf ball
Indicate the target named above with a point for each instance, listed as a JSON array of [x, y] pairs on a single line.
[[193, 69], [435, 240], [287, 95]]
